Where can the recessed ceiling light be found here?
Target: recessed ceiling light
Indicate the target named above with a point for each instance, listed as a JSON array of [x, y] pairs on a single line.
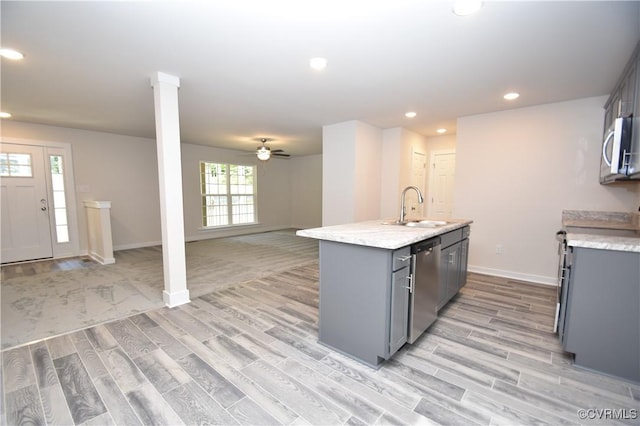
[[442, 130], [466, 7], [410, 114], [5, 115], [11, 54], [511, 96], [318, 63]]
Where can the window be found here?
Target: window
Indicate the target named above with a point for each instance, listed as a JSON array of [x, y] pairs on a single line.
[[15, 165], [59, 199], [228, 194]]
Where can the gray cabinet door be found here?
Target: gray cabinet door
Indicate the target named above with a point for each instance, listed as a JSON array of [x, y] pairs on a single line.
[[444, 276], [602, 325], [449, 273], [453, 266], [464, 260], [399, 310], [453, 270]]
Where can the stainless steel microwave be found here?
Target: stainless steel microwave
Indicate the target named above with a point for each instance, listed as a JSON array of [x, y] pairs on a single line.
[[620, 152]]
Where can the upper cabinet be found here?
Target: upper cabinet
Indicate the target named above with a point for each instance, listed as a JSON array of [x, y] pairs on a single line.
[[621, 140]]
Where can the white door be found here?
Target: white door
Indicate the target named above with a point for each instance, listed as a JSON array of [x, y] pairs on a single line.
[[443, 167], [24, 206], [418, 167]]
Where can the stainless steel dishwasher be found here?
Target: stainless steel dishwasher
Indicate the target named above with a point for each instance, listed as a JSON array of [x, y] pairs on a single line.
[[423, 290]]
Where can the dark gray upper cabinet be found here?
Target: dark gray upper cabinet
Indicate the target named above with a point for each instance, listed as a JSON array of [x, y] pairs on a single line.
[[624, 102]]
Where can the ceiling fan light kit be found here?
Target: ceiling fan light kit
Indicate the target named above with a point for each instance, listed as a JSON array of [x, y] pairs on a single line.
[[264, 152]]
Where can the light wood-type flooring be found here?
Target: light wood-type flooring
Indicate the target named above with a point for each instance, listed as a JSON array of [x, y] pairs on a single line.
[[53, 297], [249, 355]]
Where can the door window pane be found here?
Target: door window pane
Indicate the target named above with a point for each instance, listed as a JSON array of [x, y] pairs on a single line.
[[59, 198], [15, 164]]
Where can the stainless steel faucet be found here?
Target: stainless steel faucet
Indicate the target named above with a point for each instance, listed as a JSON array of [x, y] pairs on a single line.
[[420, 200]]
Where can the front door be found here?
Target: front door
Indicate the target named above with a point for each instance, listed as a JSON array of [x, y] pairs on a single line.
[[24, 205]]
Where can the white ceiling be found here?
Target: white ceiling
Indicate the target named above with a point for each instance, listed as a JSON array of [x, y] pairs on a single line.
[[244, 69]]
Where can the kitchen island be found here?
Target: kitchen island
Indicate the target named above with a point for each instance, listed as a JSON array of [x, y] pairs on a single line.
[[366, 274]]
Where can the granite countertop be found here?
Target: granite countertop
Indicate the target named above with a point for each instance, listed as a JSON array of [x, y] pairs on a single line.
[[601, 219], [602, 230], [374, 233], [604, 242]]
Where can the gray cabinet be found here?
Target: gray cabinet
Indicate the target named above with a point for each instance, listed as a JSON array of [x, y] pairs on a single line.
[[363, 300], [624, 102], [453, 264], [399, 319], [602, 321]]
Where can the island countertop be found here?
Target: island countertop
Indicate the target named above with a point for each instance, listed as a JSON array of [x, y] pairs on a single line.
[[374, 233]]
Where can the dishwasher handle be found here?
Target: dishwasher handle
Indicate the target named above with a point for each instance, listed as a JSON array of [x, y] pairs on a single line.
[[428, 245]]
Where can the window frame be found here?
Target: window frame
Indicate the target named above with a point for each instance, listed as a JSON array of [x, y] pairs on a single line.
[[229, 196]]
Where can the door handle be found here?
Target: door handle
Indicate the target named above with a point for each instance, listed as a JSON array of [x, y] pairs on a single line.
[[604, 148]]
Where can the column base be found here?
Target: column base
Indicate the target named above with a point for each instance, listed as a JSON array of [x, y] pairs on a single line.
[[178, 298]]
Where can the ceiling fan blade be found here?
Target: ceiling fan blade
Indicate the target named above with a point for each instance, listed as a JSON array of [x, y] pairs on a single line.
[[277, 150], [279, 155]]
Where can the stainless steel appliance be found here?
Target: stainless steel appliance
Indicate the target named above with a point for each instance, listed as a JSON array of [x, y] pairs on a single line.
[[616, 163], [423, 291], [621, 139]]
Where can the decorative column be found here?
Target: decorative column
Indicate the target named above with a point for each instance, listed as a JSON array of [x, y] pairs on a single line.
[[165, 91], [99, 227]]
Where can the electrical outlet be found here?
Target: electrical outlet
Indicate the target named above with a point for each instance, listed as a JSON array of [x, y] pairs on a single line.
[[498, 249]]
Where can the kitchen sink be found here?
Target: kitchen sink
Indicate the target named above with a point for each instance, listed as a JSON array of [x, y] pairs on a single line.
[[419, 223], [427, 223]]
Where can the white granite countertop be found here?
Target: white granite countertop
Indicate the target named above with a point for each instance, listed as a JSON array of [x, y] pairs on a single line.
[[604, 242], [374, 233]]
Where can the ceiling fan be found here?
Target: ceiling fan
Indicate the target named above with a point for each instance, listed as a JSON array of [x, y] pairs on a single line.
[[264, 152]]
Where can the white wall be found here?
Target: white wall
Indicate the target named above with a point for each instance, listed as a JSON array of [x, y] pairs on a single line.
[[108, 167], [441, 143], [351, 172], [306, 191], [123, 170], [274, 191], [517, 170], [398, 146], [367, 172]]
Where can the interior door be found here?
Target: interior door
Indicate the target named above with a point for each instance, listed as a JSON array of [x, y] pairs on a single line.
[[441, 185], [24, 205]]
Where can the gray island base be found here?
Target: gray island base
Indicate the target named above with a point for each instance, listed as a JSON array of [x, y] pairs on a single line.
[[365, 296]]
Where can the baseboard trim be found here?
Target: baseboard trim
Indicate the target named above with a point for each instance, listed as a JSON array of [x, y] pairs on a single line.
[[102, 260], [538, 279], [137, 245]]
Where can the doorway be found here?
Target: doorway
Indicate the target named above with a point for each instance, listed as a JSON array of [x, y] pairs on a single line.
[[418, 175], [38, 216], [441, 179]]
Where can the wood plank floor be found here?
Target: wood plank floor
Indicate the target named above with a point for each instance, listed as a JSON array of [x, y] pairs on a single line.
[[249, 355]]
